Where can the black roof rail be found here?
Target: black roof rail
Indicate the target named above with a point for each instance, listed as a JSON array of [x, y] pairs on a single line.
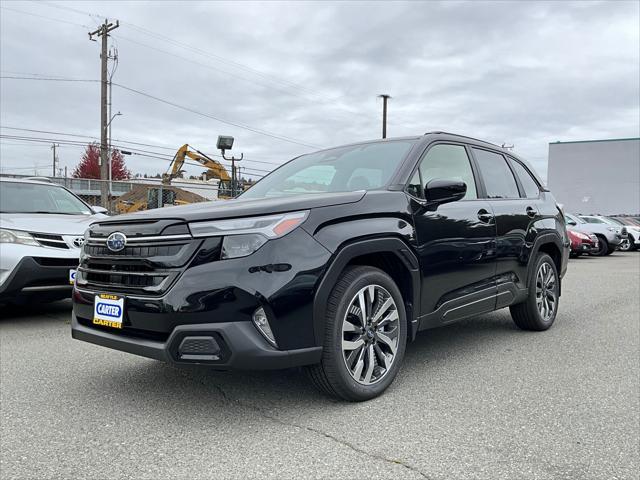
[[463, 136]]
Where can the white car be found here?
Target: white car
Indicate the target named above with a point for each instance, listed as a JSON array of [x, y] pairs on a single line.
[[631, 241], [42, 227]]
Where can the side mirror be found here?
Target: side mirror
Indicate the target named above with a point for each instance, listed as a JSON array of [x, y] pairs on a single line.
[[97, 209], [571, 222], [442, 190]]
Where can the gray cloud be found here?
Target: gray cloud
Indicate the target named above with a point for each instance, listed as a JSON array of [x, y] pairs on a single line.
[[518, 72]]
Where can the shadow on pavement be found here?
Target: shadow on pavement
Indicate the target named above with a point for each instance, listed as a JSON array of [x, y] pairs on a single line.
[[288, 388]]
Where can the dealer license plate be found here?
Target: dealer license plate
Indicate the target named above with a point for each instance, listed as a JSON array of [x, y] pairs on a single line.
[[108, 310]]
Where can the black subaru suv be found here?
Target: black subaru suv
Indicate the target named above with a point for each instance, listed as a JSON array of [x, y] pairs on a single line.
[[334, 261]]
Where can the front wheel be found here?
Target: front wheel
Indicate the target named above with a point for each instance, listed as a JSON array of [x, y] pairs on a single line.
[[365, 336], [603, 247], [539, 310]]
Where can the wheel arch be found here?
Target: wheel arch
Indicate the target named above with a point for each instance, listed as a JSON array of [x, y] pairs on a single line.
[[552, 245], [389, 254]]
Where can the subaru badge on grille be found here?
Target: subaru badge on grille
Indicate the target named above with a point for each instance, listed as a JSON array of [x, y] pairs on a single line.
[[116, 241]]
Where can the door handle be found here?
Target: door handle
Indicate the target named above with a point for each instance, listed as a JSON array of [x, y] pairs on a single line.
[[531, 212], [484, 216]]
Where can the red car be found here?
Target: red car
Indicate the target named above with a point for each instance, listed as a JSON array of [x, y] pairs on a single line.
[[582, 243]]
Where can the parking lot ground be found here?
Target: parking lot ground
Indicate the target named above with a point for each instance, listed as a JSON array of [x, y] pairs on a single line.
[[479, 399]]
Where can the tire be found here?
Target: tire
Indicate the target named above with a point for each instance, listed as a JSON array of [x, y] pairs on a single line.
[[603, 247], [529, 315], [357, 382]]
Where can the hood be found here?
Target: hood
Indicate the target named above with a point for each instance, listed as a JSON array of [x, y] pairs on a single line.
[[49, 223], [240, 207]]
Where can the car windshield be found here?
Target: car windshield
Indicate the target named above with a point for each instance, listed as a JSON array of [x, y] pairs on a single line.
[[345, 169], [18, 197], [573, 219], [614, 221], [594, 220]]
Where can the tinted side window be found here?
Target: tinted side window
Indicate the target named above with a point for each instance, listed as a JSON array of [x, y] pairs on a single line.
[[496, 174], [530, 186], [448, 162]]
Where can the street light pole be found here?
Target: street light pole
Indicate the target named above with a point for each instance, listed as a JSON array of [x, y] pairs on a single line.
[[384, 97]]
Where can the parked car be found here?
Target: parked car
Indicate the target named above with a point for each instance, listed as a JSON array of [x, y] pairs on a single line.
[[334, 261], [42, 228], [582, 243], [632, 242], [609, 238]]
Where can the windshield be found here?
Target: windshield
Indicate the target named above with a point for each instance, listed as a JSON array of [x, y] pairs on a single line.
[[345, 169], [573, 219], [39, 198]]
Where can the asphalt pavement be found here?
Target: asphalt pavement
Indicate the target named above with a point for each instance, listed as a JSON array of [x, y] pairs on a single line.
[[479, 399]]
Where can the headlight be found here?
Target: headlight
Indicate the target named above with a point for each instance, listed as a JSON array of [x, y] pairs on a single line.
[[243, 236], [16, 236]]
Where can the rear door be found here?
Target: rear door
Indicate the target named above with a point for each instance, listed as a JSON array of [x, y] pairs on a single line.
[[516, 206], [456, 241]]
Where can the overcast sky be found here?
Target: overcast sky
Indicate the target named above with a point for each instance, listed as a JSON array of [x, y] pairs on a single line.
[[524, 73]]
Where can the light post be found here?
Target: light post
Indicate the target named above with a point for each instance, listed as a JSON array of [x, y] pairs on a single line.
[[226, 143]]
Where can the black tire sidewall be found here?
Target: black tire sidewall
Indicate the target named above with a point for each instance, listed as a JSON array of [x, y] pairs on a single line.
[[333, 353]]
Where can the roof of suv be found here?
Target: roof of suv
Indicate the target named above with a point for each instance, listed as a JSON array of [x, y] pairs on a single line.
[[35, 180]]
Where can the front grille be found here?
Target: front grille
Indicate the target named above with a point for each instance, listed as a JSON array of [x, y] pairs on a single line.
[[47, 240], [148, 265]]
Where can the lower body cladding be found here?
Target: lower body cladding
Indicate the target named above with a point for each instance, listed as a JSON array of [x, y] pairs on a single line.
[[215, 313]]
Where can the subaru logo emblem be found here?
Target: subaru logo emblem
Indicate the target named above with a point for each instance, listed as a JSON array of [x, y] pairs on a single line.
[[116, 241], [78, 242]]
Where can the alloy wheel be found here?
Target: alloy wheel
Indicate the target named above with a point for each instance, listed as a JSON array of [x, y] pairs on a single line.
[[546, 297], [370, 333], [625, 245]]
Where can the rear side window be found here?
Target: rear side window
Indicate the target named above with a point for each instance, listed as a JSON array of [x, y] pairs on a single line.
[[448, 162], [497, 176], [530, 186]]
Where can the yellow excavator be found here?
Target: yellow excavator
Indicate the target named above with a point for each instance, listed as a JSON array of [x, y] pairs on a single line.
[[154, 197], [215, 168]]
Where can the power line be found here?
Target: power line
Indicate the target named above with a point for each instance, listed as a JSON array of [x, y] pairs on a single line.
[[44, 17], [163, 147], [159, 36], [134, 151], [213, 117], [181, 107], [50, 79]]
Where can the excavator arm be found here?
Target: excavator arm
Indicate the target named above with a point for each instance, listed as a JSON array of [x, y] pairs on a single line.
[[216, 169]]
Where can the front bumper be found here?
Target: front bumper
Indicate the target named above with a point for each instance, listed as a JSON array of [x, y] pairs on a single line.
[[217, 299], [584, 247], [240, 346], [44, 277]]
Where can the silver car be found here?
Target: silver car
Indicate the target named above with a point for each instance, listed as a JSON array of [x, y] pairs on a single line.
[[42, 228], [609, 237]]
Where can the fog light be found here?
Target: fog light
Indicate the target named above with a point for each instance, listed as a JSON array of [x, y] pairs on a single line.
[[262, 322]]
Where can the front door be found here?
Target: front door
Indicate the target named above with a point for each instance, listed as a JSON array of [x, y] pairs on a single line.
[[456, 241]]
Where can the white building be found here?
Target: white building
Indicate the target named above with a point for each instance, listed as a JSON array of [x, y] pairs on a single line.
[[596, 176]]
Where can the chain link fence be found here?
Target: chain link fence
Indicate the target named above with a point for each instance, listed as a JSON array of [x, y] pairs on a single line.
[[140, 194]]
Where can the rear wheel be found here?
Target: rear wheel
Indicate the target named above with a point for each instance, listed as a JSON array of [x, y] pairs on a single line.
[[626, 245], [539, 310], [365, 336]]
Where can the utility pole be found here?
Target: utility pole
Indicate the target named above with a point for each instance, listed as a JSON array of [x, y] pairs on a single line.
[[384, 97], [103, 32], [55, 158]]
